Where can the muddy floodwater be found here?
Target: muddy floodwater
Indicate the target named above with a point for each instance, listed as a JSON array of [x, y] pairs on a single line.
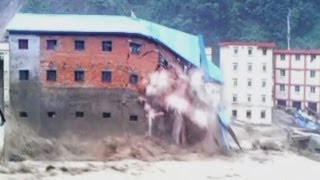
[[253, 165]]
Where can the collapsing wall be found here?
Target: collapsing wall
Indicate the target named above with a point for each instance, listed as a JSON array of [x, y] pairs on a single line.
[[59, 107]]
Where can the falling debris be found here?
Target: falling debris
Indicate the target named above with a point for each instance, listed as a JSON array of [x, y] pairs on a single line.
[[191, 104]]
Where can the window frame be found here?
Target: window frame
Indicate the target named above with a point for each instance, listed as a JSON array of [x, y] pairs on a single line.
[[135, 48], [264, 51], [23, 44], [235, 82], [133, 117], [312, 73], [76, 45], [264, 83], [27, 75], [79, 114], [52, 71], [235, 67], [76, 76], [235, 50], [52, 46], [136, 77], [312, 89], [106, 80], [234, 113], [249, 82], [264, 67], [250, 51], [249, 114], [108, 47], [234, 98], [249, 98], [249, 67], [263, 114]]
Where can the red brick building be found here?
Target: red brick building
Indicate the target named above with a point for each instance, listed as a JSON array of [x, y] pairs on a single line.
[[79, 73], [101, 61]]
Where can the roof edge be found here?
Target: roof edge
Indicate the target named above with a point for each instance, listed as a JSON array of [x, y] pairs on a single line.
[[243, 43]]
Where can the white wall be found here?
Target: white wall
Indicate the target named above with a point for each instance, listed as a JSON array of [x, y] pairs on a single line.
[[4, 49]]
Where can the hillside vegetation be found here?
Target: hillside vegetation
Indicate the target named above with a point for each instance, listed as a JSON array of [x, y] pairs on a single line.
[[217, 20]]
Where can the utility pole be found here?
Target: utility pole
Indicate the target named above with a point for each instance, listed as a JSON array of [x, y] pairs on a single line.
[[289, 29]]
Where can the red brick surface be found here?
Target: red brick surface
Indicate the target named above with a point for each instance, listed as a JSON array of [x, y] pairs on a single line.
[[65, 59]]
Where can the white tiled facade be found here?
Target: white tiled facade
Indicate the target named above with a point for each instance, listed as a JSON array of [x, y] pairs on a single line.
[[297, 78], [247, 71]]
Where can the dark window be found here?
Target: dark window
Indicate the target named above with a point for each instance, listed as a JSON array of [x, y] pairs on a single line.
[[249, 82], [263, 114], [312, 74], [135, 48], [51, 44], [235, 66], [282, 72], [234, 113], [234, 98], [250, 51], [235, 50], [264, 67], [79, 114], [249, 98], [297, 88], [51, 75], [23, 114], [313, 57], [106, 114], [51, 114], [106, 46], [133, 79], [79, 45], [298, 57], [235, 82], [282, 57], [24, 74], [79, 75], [106, 76], [282, 87], [133, 118], [312, 89], [23, 44], [264, 52], [162, 62], [282, 103], [248, 114], [296, 104], [250, 67]]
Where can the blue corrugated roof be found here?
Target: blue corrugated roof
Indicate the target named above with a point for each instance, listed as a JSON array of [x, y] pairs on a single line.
[[184, 44]]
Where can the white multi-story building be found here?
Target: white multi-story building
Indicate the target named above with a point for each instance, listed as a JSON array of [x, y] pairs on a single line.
[[297, 78], [248, 70]]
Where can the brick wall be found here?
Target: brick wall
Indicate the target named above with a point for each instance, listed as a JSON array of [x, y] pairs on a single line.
[[65, 59]]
